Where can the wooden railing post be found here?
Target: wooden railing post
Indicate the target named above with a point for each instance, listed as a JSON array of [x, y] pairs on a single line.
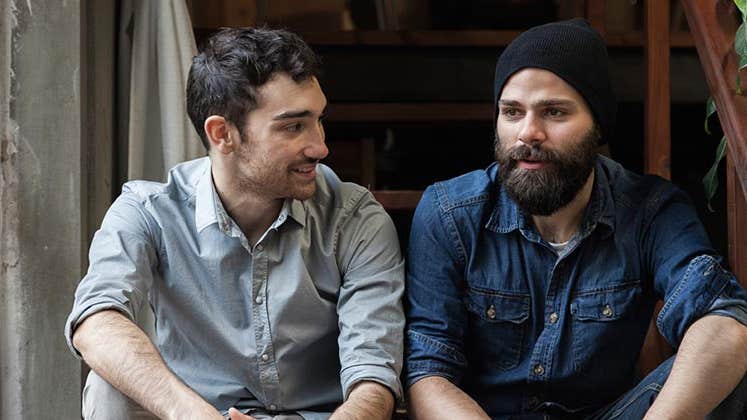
[[657, 114], [713, 25]]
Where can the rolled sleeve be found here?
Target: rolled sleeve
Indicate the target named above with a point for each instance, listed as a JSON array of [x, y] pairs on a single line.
[[688, 275], [121, 262], [370, 314], [436, 314]]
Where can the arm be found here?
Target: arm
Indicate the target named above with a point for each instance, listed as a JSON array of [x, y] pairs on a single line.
[[123, 355], [369, 307], [452, 402], [436, 317], [714, 346], [368, 401]]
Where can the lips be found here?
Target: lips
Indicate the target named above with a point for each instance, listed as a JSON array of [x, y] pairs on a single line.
[[306, 171], [531, 164]]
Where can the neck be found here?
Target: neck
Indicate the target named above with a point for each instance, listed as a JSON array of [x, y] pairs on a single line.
[[560, 226], [253, 212]]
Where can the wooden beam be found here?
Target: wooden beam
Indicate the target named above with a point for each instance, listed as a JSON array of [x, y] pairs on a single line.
[[409, 112], [657, 153], [736, 213], [596, 15], [398, 200]]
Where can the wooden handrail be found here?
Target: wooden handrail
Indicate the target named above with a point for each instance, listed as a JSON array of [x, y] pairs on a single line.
[[713, 25]]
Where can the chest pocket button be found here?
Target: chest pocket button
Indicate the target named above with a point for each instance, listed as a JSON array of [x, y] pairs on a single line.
[[607, 311], [490, 312]]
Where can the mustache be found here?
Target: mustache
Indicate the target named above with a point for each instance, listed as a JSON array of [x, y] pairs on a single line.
[[534, 153]]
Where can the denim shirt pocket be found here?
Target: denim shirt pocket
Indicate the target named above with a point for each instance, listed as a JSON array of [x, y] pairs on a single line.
[[599, 319], [498, 324]]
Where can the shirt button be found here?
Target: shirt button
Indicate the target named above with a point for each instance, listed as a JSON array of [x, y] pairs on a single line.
[[273, 407], [259, 248], [490, 312], [538, 370], [258, 300], [265, 357], [553, 317], [607, 311]]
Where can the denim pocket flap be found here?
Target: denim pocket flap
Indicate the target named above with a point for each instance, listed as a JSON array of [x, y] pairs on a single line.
[[605, 305], [492, 307]]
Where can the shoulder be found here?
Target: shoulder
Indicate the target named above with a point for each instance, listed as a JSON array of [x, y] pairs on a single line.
[[636, 192], [471, 189], [180, 184], [334, 195]]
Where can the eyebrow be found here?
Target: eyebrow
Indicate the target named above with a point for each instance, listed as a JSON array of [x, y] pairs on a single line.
[[292, 114], [287, 115], [540, 103]]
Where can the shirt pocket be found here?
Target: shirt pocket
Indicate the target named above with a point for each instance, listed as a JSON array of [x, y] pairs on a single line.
[[498, 324], [606, 328]]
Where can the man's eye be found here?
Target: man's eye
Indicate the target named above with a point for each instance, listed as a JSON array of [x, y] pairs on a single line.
[[510, 112], [554, 112], [293, 128]]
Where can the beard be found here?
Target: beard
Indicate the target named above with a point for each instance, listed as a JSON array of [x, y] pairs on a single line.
[[269, 179], [543, 191]]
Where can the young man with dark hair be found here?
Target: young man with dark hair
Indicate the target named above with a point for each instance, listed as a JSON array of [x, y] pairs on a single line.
[[276, 287], [531, 284]]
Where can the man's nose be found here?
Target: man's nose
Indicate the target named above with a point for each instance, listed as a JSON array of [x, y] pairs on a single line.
[[317, 148], [532, 131]]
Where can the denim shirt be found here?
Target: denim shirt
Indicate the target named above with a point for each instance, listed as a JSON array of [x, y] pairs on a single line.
[[288, 324], [493, 308]]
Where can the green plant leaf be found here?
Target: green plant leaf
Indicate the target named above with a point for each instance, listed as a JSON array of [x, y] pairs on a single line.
[[740, 40], [742, 6], [710, 180], [710, 109]]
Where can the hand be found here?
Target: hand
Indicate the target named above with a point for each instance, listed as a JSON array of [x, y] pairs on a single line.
[[235, 414]]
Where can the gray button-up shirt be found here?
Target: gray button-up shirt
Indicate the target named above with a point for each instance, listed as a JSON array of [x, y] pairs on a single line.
[[288, 325]]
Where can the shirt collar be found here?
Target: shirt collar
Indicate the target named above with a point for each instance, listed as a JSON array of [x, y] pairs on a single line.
[[507, 216], [205, 195]]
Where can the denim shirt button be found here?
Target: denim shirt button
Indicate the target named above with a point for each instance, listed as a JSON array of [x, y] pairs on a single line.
[[553, 317], [491, 312], [538, 370], [607, 311]]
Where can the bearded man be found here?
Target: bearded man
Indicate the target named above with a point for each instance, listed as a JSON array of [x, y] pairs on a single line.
[[531, 284], [276, 287]]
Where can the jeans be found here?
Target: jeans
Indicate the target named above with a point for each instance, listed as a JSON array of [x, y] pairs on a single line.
[[101, 401]]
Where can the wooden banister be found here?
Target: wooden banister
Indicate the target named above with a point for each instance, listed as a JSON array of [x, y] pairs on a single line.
[[713, 24]]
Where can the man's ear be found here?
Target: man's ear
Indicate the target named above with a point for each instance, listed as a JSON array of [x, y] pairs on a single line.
[[220, 134]]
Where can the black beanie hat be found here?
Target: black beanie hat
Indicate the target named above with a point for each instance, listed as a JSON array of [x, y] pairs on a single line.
[[574, 52]]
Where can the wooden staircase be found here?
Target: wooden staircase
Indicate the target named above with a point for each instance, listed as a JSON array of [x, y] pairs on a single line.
[[713, 24]]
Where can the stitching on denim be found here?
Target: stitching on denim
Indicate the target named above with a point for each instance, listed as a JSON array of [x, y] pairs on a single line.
[[650, 387], [449, 223], [683, 282], [614, 288], [437, 345], [680, 286]]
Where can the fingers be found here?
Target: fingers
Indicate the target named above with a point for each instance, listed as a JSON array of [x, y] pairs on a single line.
[[235, 414]]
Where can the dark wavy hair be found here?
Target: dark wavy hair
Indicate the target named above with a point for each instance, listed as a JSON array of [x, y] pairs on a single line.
[[234, 63]]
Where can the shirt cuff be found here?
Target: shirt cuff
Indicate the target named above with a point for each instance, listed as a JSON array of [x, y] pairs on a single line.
[[732, 308], [380, 374], [76, 319]]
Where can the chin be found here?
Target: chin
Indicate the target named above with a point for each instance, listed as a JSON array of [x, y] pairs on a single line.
[[303, 194]]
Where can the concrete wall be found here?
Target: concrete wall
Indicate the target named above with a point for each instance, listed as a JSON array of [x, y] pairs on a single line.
[[41, 195]]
